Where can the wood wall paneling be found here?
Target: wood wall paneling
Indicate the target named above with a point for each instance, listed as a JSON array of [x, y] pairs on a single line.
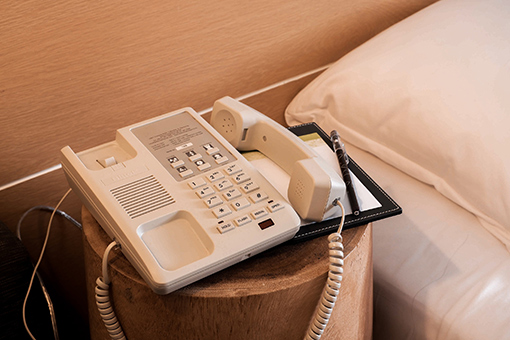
[[74, 72]]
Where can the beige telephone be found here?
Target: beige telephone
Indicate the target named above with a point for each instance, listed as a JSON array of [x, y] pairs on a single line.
[[182, 203], [314, 184]]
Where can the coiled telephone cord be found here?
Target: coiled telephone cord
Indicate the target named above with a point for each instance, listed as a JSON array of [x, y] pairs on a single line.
[[103, 299], [333, 283], [322, 313]]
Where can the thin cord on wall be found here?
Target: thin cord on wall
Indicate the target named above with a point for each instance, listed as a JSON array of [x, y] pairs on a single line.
[[39, 262], [45, 208], [49, 302]]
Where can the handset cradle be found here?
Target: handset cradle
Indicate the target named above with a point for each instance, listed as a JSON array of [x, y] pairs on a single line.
[[314, 184]]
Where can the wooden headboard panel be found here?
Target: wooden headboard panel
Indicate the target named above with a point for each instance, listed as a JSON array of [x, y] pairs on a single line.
[[72, 72]]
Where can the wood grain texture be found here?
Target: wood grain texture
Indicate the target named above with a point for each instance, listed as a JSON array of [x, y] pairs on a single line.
[[73, 72], [270, 296]]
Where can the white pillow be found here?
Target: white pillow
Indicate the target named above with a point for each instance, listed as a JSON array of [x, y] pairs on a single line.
[[431, 96]]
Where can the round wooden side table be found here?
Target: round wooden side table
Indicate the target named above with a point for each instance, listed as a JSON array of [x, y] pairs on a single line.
[[270, 296]]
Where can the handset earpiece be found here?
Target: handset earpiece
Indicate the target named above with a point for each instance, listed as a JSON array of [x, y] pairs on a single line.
[[248, 129], [314, 184], [232, 120]]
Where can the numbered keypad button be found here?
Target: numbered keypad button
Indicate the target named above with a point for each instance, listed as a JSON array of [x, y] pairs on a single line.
[[223, 184], [213, 201], [233, 169], [231, 194], [204, 192], [240, 204], [241, 177], [249, 187], [197, 183], [215, 176]]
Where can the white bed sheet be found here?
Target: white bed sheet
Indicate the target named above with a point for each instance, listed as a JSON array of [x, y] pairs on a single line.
[[438, 274]]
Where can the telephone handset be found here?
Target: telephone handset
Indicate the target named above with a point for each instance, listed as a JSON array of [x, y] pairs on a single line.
[[314, 184]]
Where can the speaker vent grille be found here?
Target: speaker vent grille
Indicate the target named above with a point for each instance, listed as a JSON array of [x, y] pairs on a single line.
[[299, 189], [142, 196]]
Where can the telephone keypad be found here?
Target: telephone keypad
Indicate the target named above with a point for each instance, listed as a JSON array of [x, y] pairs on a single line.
[[238, 190]]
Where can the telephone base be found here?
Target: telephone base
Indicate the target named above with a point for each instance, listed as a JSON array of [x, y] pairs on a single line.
[[181, 202]]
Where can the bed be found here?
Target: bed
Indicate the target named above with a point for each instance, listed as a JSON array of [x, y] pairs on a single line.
[[424, 109]]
